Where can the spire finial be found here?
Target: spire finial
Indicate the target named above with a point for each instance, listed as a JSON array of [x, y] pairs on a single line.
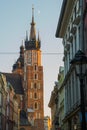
[[32, 13], [32, 31]]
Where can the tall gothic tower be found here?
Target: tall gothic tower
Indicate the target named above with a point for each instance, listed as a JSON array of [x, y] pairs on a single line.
[[28, 65], [33, 77]]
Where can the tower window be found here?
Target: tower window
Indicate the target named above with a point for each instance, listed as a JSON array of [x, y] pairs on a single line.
[[35, 95], [36, 105], [35, 67], [35, 85], [35, 76]]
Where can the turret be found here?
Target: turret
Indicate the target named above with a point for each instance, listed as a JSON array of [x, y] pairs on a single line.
[[20, 61]]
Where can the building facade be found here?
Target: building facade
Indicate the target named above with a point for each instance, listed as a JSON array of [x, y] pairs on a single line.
[[8, 105], [72, 29], [61, 95], [53, 104], [3, 95]]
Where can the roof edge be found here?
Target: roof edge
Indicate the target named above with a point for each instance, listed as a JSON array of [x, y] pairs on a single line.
[[60, 18]]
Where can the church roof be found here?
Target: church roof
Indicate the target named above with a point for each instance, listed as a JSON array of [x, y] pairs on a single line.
[[16, 81]]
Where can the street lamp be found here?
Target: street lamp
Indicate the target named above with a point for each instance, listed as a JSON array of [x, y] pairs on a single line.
[[80, 61]]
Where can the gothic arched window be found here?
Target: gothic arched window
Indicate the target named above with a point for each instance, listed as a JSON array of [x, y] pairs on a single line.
[[35, 85], [35, 95], [36, 105]]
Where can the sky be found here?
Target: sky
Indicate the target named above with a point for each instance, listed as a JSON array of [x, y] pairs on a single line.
[[15, 19]]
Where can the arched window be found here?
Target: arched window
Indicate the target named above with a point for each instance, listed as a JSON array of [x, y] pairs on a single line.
[[35, 85], [35, 95], [35, 67], [36, 105], [35, 76]]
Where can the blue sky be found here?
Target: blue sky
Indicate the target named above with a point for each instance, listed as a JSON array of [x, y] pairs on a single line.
[[15, 19]]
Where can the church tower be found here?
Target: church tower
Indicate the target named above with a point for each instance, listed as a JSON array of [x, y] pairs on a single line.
[[33, 77]]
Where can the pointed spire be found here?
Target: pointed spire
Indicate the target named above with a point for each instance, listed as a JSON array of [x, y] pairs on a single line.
[[32, 13], [32, 30], [26, 36], [22, 49], [38, 36], [39, 41]]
